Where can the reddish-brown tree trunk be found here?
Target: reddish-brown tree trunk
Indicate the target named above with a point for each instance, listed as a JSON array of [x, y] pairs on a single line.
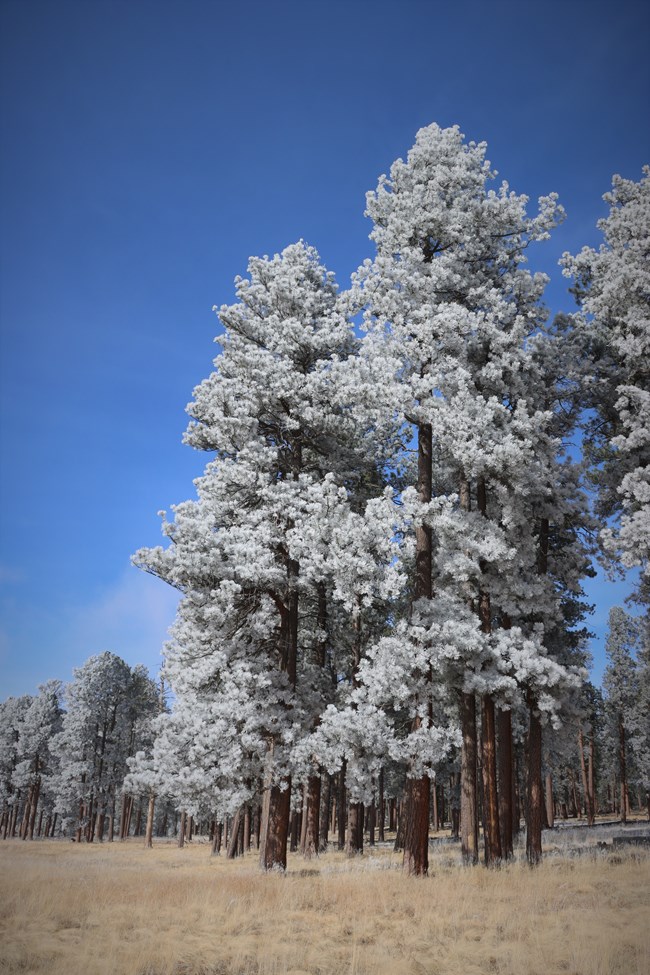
[[324, 815], [505, 783], [216, 839], [382, 810], [491, 830], [434, 811], [276, 811], [233, 844], [548, 796], [416, 825], [622, 765], [354, 838], [372, 823], [276, 803], [35, 797], [468, 780], [311, 817], [341, 803], [181, 830], [148, 836], [24, 826], [534, 811], [590, 776]]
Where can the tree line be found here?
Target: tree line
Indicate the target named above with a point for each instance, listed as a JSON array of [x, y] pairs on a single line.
[[382, 622]]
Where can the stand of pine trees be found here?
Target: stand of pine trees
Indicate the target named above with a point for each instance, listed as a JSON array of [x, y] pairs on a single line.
[[381, 630]]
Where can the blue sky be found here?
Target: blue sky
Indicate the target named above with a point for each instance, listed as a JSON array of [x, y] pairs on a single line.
[[148, 148]]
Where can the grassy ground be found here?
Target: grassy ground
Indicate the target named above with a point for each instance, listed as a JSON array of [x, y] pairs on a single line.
[[119, 909]]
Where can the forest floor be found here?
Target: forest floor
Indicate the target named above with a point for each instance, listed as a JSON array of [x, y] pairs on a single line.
[[119, 909]]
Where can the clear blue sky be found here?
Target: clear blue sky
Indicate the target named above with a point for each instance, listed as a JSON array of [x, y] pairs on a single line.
[[148, 148]]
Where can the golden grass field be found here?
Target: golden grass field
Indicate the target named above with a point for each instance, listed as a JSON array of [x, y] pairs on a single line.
[[120, 909]]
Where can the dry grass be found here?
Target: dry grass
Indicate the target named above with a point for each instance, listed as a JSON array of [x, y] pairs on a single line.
[[124, 910]]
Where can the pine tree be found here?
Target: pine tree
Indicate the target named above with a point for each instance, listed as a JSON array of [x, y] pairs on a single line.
[[449, 309], [612, 286], [250, 553]]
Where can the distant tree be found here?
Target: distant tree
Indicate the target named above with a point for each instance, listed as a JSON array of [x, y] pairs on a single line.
[[108, 705], [39, 723], [12, 712]]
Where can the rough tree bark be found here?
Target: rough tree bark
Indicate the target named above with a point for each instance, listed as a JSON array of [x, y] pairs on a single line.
[[181, 830], [341, 807], [534, 792], [622, 765], [148, 836], [505, 783], [548, 798], [354, 838], [468, 780], [323, 827]]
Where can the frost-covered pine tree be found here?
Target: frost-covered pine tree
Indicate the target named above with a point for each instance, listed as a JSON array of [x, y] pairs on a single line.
[[449, 308], [612, 285], [108, 705], [12, 712], [34, 766], [250, 554]]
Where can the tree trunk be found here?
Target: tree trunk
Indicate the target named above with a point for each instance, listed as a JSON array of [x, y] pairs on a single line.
[[246, 838], [276, 810], [491, 830], [24, 826], [233, 844], [550, 809], [323, 831], [534, 811], [372, 823], [382, 810], [148, 837], [354, 839], [276, 803], [416, 826], [400, 826], [622, 765], [506, 790], [181, 830], [100, 821], [14, 815], [587, 787], [434, 813], [468, 782], [294, 830], [216, 839], [341, 804], [35, 797], [590, 776], [311, 815]]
